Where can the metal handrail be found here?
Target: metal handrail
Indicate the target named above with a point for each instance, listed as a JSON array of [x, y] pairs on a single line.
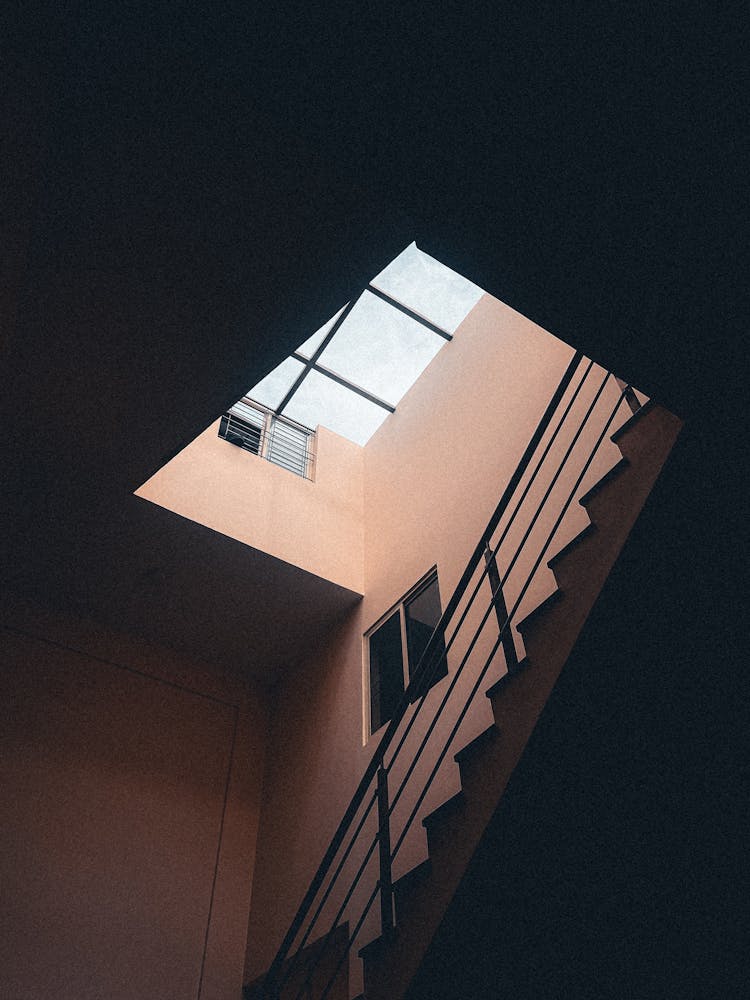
[[384, 884], [492, 553], [416, 689], [506, 625]]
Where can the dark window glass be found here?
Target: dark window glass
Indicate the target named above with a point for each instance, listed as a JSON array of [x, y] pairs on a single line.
[[386, 671], [422, 615], [243, 433], [248, 436]]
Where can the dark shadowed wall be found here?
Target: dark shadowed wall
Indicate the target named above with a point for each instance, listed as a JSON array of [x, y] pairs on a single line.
[[131, 783]]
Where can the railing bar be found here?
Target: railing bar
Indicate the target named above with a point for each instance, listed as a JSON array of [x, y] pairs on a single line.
[[477, 556], [289, 433], [444, 751], [374, 290], [482, 576], [281, 448], [384, 843], [281, 418], [244, 425], [551, 441], [439, 710], [551, 486], [336, 874], [296, 459], [275, 432], [338, 916], [508, 621], [505, 626], [245, 430], [290, 451], [287, 441], [286, 454], [343, 315], [351, 941], [347, 383], [377, 757], [477, 633]]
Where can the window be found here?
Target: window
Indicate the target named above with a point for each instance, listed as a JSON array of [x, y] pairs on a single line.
[[255, 429], [395, 646]]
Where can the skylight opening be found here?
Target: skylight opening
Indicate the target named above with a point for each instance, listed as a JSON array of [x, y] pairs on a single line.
[[429, 288], [381, 348], [352, 372], [320, 400], [272, 389], [311, 345]]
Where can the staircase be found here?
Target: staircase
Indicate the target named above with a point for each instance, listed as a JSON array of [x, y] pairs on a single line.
[[486, 764], [412, 907]]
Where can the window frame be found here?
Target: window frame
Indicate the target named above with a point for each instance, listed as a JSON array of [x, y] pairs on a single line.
[[430, 577], [266, 444]]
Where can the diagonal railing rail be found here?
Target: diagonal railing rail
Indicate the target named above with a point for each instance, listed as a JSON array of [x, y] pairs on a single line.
[[456, 621]]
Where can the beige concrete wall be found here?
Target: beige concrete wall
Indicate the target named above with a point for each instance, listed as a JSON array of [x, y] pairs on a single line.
[[433, 474], [131, 790], [315, 761], [316, 525]]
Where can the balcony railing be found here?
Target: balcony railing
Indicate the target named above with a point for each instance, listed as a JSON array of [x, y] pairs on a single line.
[[256, 429]]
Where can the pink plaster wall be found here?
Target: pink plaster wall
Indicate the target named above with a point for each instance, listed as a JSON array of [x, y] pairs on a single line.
[[131, 789], [433, 474], [316, 525]]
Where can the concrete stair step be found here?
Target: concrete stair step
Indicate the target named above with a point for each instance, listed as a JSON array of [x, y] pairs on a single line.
[[573, 544], [624, 428], [533, 618], [507, 678], [373, 951], [441, 822], [405, 888], [466, 756], [617, 469]]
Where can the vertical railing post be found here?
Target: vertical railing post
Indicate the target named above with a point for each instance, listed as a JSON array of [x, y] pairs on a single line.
[[628, 395], [384, 844], [493, 577]]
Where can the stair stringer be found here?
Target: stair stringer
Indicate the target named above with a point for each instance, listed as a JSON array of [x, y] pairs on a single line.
[[455, 830]]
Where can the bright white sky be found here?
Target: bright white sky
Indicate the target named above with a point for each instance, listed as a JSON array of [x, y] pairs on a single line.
[[377, 347]]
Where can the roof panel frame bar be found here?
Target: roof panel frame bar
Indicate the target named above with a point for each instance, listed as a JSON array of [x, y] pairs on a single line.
[[322, 370], [409, 312], [309, 362]]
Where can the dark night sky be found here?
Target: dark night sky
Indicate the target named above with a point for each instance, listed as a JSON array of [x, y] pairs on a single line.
[[580, 164]]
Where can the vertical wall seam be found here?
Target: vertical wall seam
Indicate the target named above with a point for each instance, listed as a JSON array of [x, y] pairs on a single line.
[[218, 850]]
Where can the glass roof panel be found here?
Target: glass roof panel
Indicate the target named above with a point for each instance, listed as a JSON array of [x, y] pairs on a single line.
[[311, 345], [272, 389], [380, 349], [429, 288], [320, 400]]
